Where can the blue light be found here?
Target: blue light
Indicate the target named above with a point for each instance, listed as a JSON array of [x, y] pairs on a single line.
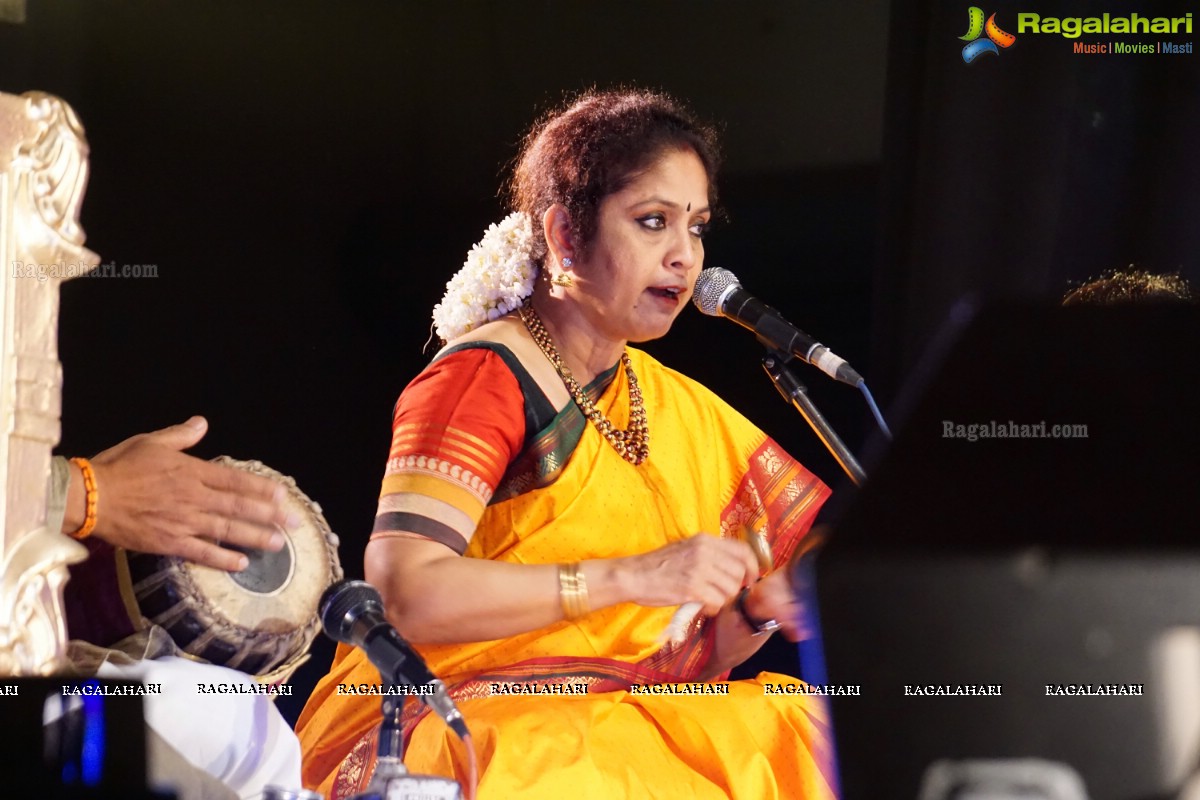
[[92, 750]]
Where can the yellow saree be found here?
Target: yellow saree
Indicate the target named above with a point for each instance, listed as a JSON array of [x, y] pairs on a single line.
[[710, 470]]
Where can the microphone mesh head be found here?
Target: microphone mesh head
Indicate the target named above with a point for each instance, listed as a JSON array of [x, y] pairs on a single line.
[[341, 598], [710, 286]]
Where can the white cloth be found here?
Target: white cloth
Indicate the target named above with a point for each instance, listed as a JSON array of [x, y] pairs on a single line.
[[240, 739]]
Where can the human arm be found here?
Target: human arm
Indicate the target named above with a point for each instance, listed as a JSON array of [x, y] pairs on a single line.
[[433, 596], [153, 498], [456, 429]]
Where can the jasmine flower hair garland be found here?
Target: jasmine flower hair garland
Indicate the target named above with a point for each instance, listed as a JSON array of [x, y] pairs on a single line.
[[495, 279]]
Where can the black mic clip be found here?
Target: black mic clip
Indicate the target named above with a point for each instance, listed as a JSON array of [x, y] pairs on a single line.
[[785, 381], [795, 394]]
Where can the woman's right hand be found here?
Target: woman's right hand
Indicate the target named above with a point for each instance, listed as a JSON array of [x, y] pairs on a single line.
[[703, 568], [422, 583]]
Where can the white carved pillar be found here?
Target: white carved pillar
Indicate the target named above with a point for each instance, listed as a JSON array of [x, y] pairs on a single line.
[[43, 173]]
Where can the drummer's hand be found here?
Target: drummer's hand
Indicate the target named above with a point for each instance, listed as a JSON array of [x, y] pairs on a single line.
[[704, 569], [773, 598], [153, 498]]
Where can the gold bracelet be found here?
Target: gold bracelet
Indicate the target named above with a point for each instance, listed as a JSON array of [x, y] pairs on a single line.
[[572, 591], [92, 500]]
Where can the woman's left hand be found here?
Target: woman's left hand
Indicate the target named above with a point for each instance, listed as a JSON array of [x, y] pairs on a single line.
[[773, 598], [769, 598]]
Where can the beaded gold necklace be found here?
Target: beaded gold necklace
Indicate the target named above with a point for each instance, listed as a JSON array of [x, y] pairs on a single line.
[[633, 443]]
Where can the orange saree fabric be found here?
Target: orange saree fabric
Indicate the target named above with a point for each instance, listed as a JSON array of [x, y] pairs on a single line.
[[709, 470]]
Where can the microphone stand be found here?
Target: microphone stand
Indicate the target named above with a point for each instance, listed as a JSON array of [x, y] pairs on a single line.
[[388, 764], [802, 570], [796, 393], [391, 779]]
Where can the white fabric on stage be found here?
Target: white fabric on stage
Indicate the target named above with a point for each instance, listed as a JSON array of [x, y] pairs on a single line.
[[240, 739]]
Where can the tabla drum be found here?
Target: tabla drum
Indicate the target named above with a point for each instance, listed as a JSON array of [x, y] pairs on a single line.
[[262, 620]]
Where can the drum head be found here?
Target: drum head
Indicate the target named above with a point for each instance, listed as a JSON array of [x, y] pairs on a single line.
[[258, 620]]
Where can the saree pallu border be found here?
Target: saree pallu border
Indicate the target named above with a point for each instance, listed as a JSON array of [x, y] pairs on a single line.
[[777, 497]]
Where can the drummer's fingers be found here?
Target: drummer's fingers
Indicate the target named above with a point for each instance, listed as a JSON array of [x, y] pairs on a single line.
[[245, 521], [257, 499], [208, 554], [227, 531]]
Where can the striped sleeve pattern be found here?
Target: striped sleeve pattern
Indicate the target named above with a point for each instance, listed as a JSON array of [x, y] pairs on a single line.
[[455, 430]]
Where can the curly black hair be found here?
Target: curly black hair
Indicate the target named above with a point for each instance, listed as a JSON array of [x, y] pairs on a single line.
[[595, 145]]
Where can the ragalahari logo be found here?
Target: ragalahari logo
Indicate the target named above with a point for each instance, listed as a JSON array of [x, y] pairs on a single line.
[[976, 27]]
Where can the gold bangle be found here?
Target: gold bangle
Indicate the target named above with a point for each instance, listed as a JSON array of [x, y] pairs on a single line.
[[572, 591], [92, 500]]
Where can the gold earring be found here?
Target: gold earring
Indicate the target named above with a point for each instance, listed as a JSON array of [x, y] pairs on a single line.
[[563, 279]]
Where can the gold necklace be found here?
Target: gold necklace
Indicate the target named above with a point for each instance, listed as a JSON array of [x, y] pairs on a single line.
[[633, 443]]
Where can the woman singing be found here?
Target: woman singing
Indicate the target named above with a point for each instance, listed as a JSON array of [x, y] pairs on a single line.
[[553, 496]]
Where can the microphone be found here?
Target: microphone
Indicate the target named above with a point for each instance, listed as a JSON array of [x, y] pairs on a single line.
[[352, 613], [719, 294]]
